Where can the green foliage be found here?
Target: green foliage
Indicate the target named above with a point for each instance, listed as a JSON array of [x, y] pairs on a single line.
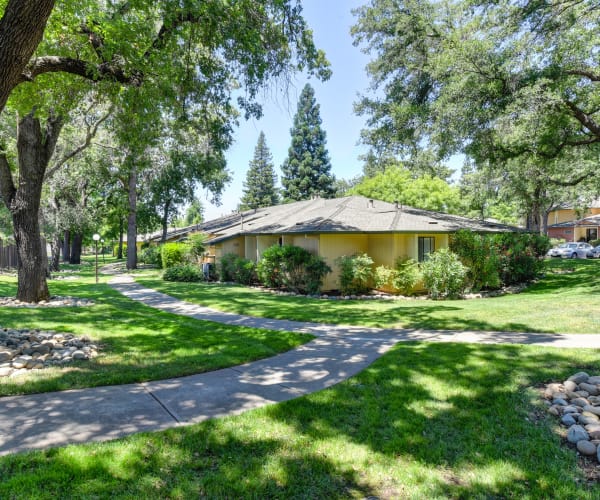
[[307, 169], [479, 254], [116, 250], [397, 183], [595, 243], [259, 188], [293, 268], [173, 253], [196, 246], [232, 267], [183, 272], [402, 279], [521, 256], [356, 274], [444, 275], [151, 255], [194, 213]]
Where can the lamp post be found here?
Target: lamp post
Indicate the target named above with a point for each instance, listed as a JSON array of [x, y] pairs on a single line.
[[96, 237]]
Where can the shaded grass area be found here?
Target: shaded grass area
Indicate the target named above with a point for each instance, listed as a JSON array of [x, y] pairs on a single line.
[[424, 421], [559, 303], [138, 343]]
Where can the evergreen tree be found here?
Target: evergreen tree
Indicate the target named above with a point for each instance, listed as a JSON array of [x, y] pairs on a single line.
[[259, 188], [307, 170]]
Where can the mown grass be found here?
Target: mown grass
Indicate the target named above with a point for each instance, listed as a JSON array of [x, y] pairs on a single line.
[[559, 303], [138, 343], [424, 421]]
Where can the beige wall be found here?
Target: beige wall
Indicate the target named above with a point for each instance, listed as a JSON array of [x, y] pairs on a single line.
[[309, 242], [332, 246], [235, 246], [264, 242]]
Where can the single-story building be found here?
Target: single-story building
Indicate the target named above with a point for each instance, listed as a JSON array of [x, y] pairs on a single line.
[[335, 227], [586, 229]]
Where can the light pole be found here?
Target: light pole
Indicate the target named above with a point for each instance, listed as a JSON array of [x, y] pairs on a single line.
[[96, 237]]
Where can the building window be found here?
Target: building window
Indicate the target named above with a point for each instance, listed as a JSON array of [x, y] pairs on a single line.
[[592, 234], [426, 246]]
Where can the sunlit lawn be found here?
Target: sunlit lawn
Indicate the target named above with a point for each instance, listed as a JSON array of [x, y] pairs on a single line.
[[425, 421], [559, 303], [138, 343]]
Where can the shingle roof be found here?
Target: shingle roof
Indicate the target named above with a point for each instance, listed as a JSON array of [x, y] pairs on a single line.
[[592, 220], [345, 215]]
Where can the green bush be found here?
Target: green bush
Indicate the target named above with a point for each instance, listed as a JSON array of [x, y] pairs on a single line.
[[116, 250], [183, 272], [173, 254], [196, 246], [226, 267], [356, 274], [444, 275], [595, 243], [480, 255], [407, 275], [151, 255], [244, 271], [521, 256], [293, 268]]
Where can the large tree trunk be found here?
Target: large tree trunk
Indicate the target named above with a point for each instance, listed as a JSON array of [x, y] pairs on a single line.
[[132, 219], [165, 220], [66, 249], [55, 260], [76, 244], [21, 30], [34, 150]]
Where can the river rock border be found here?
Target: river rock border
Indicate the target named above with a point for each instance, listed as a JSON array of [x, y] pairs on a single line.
[[576, 402], [23, 350], [54, 301]]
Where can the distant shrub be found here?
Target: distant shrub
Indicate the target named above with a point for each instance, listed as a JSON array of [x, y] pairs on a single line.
[[196, 246], [116, 250], [356, 274], [595, 243], [183, 272], [151, 255], [173, 254], [444, 275], [520, 256], [480, 255], [293, 268], [226, 267]]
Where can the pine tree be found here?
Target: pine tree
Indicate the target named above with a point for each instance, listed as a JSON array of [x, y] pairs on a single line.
[[307, 169], [259, 188]]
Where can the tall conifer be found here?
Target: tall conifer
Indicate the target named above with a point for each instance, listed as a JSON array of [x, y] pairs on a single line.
[[307, 169], [259, 188]]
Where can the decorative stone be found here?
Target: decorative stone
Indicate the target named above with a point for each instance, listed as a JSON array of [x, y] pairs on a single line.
[[586, 448], [594, 380], [579, 377], [79, 355], [592, 409], [588, 418], [570, 385], [582, 394], [568, 420], [554, 411], [559, 402], [571, 409], [577, 433], [5, 371], [590, 388], [580, 402], [594, 400]]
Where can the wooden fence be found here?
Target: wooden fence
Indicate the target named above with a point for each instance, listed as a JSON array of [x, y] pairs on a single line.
[[8, 255]]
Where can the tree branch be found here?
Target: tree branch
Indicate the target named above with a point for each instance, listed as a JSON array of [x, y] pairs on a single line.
[[594, 77], [91, 132], [93, 72], [584, 118]]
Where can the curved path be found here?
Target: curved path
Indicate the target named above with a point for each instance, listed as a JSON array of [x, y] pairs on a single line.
[[337, 352]]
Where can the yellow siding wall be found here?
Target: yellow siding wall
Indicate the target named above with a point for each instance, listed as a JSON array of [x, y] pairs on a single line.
[[568, 215], [306, 241], [235, 246], [332, 246], [264, 242], [250, 248]]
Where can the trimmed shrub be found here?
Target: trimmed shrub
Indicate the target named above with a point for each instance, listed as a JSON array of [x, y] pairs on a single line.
[[151, 255], [226, 267], [293, 268], [444, 275], [356, 274], [173, 254], [407, 275], [183, 272], [480, 255], [244, 271]]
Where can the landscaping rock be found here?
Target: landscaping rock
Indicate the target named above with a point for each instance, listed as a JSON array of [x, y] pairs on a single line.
[[570, 385], [588, 418], [592, 409], [590, 388], [571, 409], [586, 448], [560, 402], [579, 377], [568, 420], [577, 433], [580, 402], [23, 349], [55, 301]]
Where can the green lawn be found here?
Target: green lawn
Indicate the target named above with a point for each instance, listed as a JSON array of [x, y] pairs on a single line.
[[138, 343], [424, 421], [560, 303]]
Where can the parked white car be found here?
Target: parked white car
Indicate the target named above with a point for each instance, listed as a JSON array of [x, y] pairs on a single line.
[[556, 251], [574, 250]]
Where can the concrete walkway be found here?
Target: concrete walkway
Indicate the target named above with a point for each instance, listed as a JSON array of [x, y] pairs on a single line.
[[337, 352]]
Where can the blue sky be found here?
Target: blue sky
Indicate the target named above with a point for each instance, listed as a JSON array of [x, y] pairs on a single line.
[[330, 21]]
